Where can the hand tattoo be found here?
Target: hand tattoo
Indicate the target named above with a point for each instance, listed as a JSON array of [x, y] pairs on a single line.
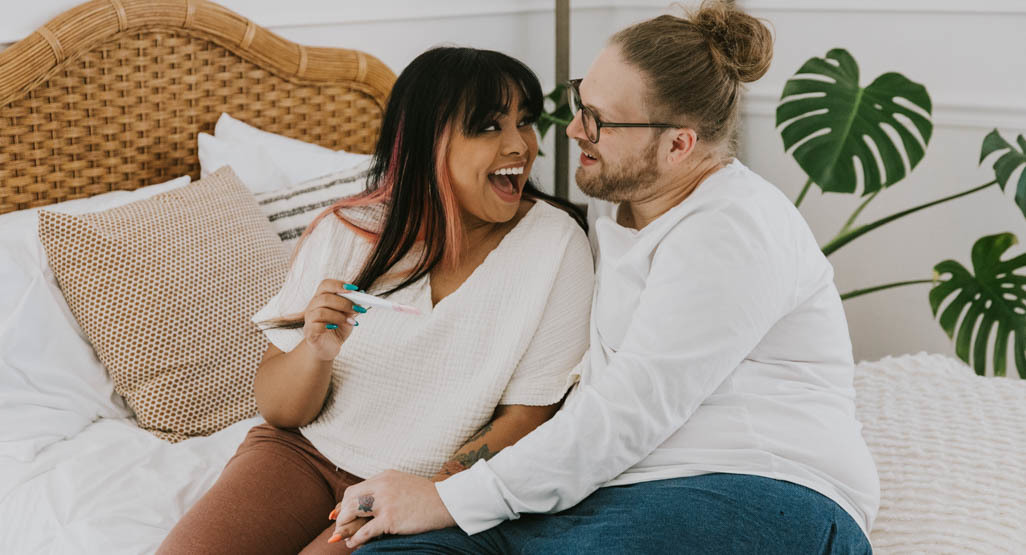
[[366, 503]]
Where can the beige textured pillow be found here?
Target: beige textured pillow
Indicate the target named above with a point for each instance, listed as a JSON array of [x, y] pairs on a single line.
[[165, 289]]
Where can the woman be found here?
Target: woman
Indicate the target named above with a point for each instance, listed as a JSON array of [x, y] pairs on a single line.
[[451, 225]]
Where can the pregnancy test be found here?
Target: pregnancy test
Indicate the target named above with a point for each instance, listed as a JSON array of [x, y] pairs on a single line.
[[367, 301]]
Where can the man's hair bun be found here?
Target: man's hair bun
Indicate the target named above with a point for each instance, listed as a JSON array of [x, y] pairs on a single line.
[[741, 43]]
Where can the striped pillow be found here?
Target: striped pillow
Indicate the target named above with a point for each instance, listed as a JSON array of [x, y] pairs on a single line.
[[291, 209]]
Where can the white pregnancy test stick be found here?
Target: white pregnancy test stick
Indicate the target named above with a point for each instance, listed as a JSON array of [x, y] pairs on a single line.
[[366, 300]]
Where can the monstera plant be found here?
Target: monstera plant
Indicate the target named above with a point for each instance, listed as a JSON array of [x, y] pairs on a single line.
[[838, 130]]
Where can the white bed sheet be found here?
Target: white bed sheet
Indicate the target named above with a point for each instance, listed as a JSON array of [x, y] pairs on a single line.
[[113, 488]]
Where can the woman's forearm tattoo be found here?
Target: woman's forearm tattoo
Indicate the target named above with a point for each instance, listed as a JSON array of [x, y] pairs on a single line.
[[480, 433], [463, 461], [469, 458], [451, 468]]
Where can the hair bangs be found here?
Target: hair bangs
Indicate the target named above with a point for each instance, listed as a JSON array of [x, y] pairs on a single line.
[[491, 87]]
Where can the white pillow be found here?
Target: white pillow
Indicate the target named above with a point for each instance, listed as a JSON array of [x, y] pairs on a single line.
[[251, 163], [51, 383], [297, 160]]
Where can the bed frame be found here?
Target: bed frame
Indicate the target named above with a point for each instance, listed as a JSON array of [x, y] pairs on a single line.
[[112, 93]]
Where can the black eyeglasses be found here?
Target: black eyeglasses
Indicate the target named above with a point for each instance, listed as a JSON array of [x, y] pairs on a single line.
[[592, 124]]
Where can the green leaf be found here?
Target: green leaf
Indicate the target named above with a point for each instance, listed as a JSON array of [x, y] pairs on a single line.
[[558, 94], [1007, 163], [994, 298], [559, 114], [834, 117], [564, 114], [543, 124]]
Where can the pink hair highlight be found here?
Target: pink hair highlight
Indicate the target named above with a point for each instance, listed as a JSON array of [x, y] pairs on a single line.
[[381, 193], [453, 247]]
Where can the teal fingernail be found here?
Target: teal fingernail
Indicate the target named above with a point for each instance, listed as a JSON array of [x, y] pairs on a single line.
[[359, 308], [356, 323], [350, 287], [331, 326]]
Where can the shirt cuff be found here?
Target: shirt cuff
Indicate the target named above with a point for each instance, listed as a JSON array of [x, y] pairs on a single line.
[[474, 499]]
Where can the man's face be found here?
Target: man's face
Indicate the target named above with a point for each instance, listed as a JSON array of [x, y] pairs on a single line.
[[623, 165]]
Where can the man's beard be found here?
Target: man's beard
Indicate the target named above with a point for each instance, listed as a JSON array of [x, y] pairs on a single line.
[[623, 182]]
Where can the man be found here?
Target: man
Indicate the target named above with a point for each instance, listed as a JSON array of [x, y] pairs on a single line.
[[715, 409]]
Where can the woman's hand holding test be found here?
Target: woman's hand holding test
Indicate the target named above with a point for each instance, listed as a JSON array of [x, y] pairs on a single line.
[[291, 387], [330, 318]]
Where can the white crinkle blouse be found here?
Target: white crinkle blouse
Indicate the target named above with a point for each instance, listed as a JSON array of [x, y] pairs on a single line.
[[408, 391]]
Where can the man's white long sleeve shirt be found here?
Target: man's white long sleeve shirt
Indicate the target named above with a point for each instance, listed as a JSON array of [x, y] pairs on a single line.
[[718, 344]]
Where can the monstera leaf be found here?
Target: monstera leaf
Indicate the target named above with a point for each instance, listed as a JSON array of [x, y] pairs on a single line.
[[994, 298], [1007, 163], [830, 118]]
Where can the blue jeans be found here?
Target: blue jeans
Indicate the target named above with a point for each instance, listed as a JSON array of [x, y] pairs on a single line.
[[712, 513]]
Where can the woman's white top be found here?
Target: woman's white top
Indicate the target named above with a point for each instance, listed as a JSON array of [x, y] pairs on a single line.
[[718, 344], [408, 391]]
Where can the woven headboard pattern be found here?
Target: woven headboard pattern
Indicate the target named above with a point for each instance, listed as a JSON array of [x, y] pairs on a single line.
[[111, 95]]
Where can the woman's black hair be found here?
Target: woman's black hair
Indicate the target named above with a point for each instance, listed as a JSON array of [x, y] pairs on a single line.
[[446, 85]]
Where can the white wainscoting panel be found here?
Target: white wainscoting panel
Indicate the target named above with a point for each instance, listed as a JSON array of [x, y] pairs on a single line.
[[974, 114]]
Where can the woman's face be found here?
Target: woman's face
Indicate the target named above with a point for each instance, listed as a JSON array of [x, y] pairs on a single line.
[[490, 166]]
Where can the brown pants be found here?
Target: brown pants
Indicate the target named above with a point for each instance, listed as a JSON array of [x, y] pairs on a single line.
[[274, 496]]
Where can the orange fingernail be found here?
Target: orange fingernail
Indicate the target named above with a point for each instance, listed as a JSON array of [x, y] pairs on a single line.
[[333, 514], [335, 538]]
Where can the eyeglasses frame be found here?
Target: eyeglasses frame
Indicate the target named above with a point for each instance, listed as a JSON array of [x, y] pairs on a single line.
[[574, 90]]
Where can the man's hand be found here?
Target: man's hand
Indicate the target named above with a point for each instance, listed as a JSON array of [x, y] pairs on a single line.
[[398, 503], [344, 531]]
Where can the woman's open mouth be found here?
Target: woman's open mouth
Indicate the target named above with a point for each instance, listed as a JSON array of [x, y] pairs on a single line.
[[506, 183]]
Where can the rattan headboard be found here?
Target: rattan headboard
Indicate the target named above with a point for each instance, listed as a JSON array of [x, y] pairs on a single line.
[[111, 94]]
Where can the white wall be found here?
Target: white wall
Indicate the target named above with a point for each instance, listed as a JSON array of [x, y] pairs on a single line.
[[969, 55], [524, 29]]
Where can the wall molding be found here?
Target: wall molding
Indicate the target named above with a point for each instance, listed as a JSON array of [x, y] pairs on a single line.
[[959, 7], [301, 13], [951, 113]]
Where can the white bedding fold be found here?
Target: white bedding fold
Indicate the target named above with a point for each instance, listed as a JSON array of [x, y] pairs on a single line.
[[113, 488]]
